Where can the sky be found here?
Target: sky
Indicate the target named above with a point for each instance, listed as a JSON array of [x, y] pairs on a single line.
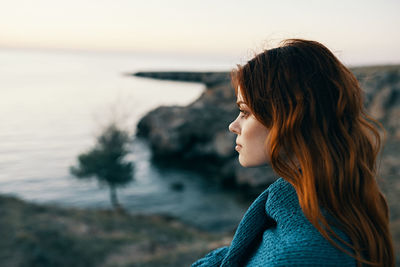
[[358, 31]]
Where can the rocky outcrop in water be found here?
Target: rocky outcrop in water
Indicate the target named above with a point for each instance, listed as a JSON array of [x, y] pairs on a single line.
[[198, 134], [208, 78]]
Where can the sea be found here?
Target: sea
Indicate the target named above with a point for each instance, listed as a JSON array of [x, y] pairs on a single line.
[[54, 103]]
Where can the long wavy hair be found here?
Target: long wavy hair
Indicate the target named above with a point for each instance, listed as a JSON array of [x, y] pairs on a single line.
[[322, 141]]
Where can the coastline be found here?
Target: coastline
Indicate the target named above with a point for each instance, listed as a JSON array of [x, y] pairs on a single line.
[[208, 78]]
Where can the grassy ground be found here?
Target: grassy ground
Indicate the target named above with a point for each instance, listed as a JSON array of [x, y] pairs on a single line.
[[34, 235]]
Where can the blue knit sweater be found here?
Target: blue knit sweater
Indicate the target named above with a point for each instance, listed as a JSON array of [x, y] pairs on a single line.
[[275, 232]]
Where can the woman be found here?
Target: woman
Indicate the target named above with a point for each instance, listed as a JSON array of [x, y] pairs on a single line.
[[301, 111]]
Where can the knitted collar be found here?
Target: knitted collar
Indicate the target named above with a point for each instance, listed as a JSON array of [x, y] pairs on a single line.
[[277, 201]]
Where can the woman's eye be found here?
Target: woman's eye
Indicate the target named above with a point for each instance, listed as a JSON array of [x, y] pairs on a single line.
[[243, 113]]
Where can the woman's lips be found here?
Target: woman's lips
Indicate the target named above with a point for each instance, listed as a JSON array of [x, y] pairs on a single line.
[[238, 147]]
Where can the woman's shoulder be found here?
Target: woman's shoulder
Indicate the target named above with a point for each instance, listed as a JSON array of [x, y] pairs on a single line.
[[282, 202], [293, 240], [275, 232]]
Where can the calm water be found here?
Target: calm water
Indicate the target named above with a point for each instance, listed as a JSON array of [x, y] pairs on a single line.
[[52, 105]]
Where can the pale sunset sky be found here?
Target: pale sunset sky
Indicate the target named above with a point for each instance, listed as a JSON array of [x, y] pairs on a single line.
[[358, 31]]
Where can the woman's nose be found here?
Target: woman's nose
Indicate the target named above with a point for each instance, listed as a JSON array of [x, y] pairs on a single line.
[[233, 127]]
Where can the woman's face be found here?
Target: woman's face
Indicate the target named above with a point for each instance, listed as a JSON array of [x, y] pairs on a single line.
[[251, 137]]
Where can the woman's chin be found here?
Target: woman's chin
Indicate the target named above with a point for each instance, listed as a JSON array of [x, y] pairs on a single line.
[[247, 164], [241, 161], [244, 163]]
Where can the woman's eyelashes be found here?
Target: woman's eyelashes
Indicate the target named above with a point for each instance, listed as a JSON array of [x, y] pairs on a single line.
[[243, 113]]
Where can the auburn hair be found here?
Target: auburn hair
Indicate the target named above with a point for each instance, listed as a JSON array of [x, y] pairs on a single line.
[[322, 141]]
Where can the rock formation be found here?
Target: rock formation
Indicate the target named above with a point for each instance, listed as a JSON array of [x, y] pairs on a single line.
[[198, 133], [382, 95]]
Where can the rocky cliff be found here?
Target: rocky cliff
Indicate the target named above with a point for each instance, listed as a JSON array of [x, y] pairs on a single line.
[[197, 134]]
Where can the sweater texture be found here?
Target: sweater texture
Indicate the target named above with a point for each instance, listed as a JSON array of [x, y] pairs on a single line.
[[275, 232]]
